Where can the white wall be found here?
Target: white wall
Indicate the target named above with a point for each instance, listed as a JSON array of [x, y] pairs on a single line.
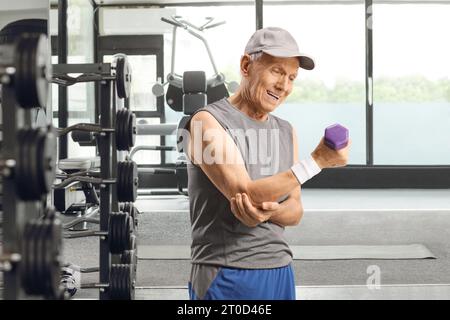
[[22, 9], [137, 21]]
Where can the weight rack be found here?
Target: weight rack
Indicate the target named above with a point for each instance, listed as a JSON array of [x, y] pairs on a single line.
[[107, 148]]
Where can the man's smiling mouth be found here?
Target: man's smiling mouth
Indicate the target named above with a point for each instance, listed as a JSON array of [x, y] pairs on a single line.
[[273, 95]]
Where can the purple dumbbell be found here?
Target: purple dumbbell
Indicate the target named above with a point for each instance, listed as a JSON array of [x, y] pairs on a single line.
[[336, 136]]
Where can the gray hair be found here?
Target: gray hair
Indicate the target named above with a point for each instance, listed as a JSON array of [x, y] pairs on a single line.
[[256, 56]]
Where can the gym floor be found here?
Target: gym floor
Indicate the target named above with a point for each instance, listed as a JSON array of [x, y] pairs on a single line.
[[332, 217]]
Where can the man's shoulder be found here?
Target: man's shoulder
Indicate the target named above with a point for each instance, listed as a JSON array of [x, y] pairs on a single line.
[[281, 122]]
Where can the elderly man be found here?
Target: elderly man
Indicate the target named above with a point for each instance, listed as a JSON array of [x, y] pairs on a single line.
[[245, 178]]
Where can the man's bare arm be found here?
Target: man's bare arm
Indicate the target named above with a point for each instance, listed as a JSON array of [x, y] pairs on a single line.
[[209, 141]]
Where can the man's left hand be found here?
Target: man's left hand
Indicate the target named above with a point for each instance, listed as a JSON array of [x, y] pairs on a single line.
[[250, 215]]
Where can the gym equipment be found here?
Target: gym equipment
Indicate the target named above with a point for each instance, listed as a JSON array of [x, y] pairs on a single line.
[[216, 88], [41, 254], [121, 75], [125, 130], [336, 136], [10, 32], [121, 285], [25, 65], [32, 244], [119, 234], [130, 256], [132, 211], [127, 181], [35, 168], [194, 90]]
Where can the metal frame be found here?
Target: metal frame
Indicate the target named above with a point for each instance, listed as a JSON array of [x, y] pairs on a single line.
[[259, 6], [63, 101]]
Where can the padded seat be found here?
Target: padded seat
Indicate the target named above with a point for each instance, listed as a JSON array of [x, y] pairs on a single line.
[[79, 164]]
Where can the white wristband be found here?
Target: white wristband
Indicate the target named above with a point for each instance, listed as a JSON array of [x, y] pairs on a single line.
[[305, 169]]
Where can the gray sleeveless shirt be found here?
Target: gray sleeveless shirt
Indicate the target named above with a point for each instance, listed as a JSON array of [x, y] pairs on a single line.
[[218, 238]]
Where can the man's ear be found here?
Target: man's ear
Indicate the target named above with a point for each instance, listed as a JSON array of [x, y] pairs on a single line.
[[245, 65]]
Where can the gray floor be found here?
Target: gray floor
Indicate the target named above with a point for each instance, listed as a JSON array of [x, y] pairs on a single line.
[[332, 217]]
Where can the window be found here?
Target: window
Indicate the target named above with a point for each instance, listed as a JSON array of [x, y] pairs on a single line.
[[411, 84], [334, 91]]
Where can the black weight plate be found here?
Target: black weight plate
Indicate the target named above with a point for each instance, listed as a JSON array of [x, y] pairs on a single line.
[[123, 277], [32, 70], [128, 231], [125, 128], [126, 257], [130, 280], [27, 242], [114, 276], [134, 214], [44, 261], [39, 238], [121, 179], [34, 171], [28, 270], [121, 227], [48, 157], [117, 232], [120, 77], [131, 130], [22, 72], [36, 163], [112, 233], [25, 180], [132, 181], [129, 181], [119, 130], [54, 252], [123, 77], [120, 133]]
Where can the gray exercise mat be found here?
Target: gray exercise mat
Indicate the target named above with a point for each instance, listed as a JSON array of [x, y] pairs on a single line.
[[342, 252]]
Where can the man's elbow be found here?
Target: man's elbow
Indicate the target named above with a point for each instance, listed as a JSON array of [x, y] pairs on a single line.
[[257, 195], [298, 216]]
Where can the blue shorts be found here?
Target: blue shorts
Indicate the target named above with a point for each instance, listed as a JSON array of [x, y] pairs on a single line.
[[250, 284]]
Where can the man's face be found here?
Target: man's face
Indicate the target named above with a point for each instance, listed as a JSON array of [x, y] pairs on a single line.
[[270, 80]]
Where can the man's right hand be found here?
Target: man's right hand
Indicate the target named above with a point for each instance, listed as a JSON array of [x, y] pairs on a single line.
[[326, 157]]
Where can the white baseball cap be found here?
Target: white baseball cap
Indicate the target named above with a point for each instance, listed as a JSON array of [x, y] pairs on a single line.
[[277, 42]]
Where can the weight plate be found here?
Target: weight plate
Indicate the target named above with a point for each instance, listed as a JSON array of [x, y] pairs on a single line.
[[123, 76], [120, 145], [47, 158], [32, 71], [131, 181], [118, 232], [131, 129], [26, 270], [114, 286], [36, 163], [127, 181], [53, 253]]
